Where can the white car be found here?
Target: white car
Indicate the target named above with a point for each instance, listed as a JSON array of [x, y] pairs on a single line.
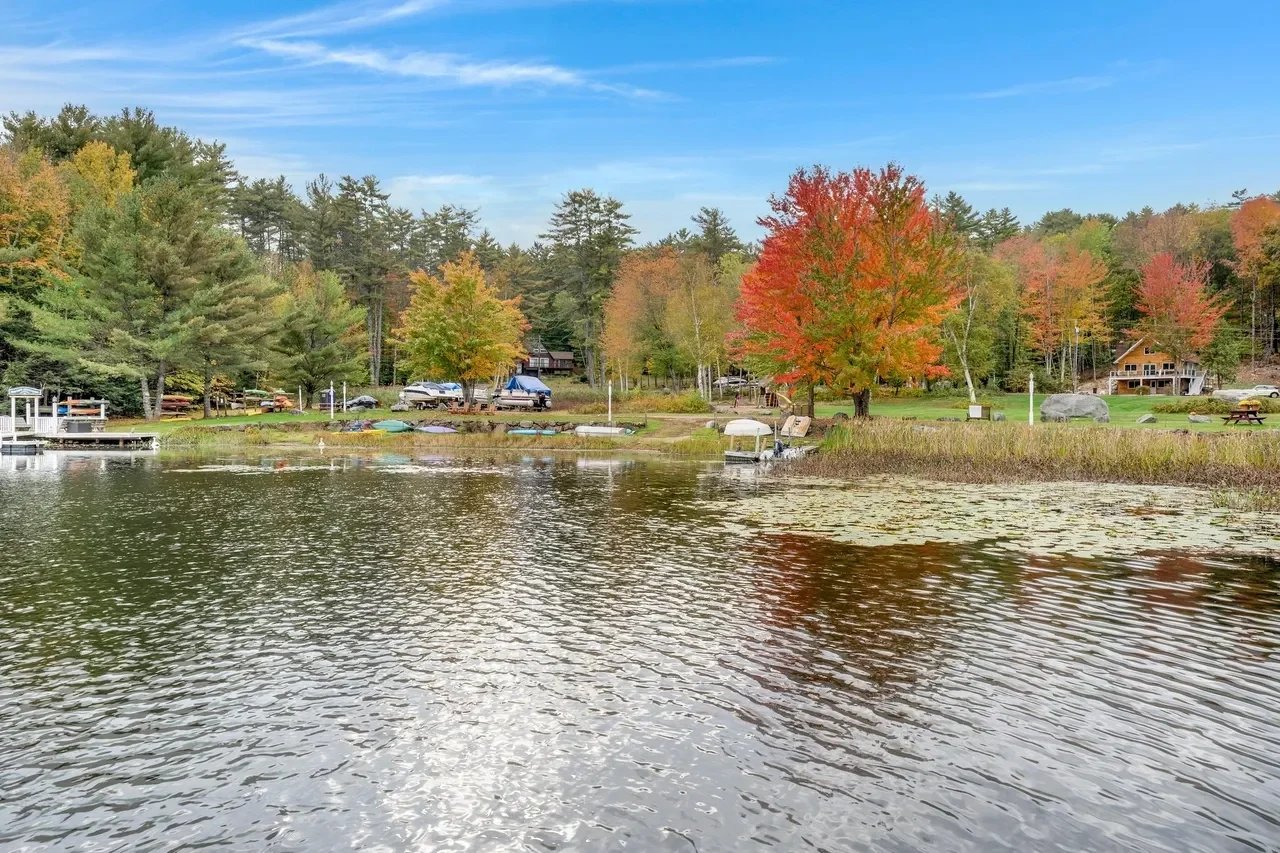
[[1264, 391], [730, 382]]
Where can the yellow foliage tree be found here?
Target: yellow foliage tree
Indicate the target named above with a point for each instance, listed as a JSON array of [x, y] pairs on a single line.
[[457, 327], [34, 221], [97, 174]]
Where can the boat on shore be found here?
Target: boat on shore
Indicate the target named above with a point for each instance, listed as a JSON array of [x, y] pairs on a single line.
[[748, 429], [523, 392]]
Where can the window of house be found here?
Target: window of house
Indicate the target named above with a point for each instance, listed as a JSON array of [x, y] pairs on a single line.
[[1146, 350], [1133, 383], [1131, 368], [1168, 365], [1148, 370]]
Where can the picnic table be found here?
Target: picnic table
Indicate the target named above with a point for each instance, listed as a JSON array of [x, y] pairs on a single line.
[[1243, 416]]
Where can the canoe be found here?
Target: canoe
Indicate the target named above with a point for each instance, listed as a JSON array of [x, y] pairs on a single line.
[[392, 426], [600, 430], [532, 432], [439, 430]]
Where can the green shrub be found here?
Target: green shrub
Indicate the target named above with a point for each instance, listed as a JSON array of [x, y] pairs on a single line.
[[1207, 406]]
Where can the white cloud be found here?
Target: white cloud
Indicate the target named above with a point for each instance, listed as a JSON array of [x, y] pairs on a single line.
[[443, 67], [338, 18], [1069, 85]]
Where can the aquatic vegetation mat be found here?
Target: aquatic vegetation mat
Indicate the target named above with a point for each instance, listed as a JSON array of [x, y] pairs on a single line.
[[1050, 519]]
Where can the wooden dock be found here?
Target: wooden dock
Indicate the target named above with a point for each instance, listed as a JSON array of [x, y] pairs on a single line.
[[100, 440]]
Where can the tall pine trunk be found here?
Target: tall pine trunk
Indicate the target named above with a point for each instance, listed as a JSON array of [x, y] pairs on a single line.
[[208, 382], [159, 402], [146, 397]]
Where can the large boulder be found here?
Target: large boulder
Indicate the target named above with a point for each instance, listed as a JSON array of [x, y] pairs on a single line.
[[1064, 407], [1146, 419], [1232, 395], [1200, 419]]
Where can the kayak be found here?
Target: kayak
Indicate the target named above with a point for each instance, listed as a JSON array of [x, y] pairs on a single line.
[[532, 432], [440, 430], [392, 426]]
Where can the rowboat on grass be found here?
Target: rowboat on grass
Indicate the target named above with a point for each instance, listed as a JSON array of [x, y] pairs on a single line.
[[392, 427]]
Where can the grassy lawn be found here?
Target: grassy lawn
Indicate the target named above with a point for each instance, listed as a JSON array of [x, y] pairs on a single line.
[[1125, 410]]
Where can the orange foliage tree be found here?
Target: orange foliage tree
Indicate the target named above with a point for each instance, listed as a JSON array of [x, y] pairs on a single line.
[[852, 283], [1061, 294], [634, 310], [1255, 228], [1178, 312]]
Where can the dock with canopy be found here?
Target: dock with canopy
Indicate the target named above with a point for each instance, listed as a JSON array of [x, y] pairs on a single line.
[[747, 428]]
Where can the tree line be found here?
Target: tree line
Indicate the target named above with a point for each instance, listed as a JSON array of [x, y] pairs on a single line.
[[134, 257]]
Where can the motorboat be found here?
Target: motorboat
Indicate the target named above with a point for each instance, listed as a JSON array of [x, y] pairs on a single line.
[[745, 428], [523, 392], [427, 395]]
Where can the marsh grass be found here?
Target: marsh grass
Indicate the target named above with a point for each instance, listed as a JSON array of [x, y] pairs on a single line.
[[702, 443], [1001, 452]]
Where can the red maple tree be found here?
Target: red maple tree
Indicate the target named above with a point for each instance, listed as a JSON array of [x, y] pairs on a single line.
[[852, 282], [1178, 312]]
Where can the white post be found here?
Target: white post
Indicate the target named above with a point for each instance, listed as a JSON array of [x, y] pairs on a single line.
[[13, 416], [1031, 402], [299, 398], [610, 398], [53, 413], [344, 396], [330, 401]]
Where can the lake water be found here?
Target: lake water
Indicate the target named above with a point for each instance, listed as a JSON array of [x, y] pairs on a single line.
[[579, 653]]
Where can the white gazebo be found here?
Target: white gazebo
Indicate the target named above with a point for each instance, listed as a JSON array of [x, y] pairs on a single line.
[[30, 422]]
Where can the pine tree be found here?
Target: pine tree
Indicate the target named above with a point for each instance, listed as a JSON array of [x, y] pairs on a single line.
[[716, 237], [320, 330], [586, 238]]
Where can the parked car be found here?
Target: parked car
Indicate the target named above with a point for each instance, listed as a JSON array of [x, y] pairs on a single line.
[[726, 382], [362, 403], [1264, 391]]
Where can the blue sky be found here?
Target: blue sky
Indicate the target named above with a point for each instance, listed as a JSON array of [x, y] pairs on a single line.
[[674, 104]]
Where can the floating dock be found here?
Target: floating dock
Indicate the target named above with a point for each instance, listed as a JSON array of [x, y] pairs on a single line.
[[100, 440]]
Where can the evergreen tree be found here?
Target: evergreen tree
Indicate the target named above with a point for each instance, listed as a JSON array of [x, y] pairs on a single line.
[[57, 138], [716, 237], [586, 239], [320, 330], [958, 213], [995, 227], [144, 263]]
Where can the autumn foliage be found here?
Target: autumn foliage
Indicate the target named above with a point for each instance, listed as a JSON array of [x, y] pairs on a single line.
[[1061, 291], [1177, 309], [853, 280], [456, 326]]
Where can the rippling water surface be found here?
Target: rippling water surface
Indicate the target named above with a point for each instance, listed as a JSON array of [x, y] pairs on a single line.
[[443, 654]]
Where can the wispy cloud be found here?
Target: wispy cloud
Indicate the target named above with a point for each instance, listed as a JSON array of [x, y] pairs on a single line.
[[338, 18], [1065, 86], [442, 67]]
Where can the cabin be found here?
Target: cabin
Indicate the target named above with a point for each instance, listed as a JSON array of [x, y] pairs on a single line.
[[542, 361], [1145, 365]]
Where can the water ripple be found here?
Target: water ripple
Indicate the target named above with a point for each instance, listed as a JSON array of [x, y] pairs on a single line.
[[551, 653]]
